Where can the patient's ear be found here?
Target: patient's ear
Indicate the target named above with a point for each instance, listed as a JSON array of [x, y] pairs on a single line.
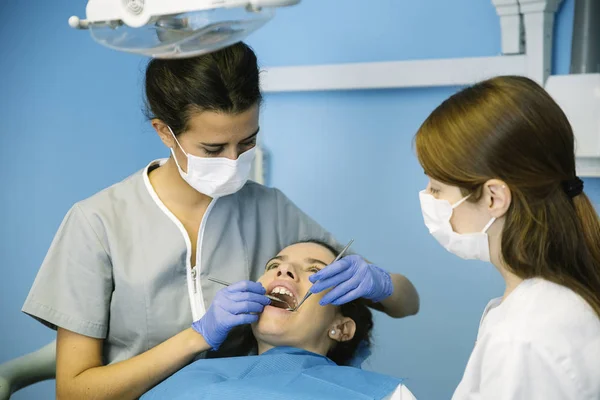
[[342, 329]]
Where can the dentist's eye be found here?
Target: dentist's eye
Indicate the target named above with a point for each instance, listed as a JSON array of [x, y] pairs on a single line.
[[434, 191], [212, 152], [249, 144]]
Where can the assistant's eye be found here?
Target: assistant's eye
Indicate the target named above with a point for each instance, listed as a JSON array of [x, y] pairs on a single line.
[[433, 191]]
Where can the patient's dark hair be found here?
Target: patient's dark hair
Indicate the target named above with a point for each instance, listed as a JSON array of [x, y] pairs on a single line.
[[241, 341]]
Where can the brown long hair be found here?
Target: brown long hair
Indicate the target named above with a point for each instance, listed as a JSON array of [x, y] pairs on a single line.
[[509, 128]]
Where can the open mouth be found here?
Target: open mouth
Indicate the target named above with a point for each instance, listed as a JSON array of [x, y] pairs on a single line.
[[288, 300]]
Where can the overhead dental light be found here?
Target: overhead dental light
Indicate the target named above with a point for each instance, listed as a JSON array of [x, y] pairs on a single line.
[[174, 28]]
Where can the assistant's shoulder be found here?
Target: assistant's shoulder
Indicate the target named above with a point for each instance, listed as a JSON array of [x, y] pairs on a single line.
[[552, 316], [546, 304]]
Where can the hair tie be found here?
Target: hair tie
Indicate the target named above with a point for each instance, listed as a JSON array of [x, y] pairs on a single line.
[[573, 187]]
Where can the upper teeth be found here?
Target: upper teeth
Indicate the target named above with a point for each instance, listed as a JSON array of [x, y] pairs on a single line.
[[282, 290]]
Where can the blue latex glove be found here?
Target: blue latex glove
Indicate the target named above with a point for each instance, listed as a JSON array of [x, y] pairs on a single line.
[[230, 308], [351, 278]]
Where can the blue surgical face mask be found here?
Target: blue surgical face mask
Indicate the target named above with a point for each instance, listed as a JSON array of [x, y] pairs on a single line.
[[437, 214]]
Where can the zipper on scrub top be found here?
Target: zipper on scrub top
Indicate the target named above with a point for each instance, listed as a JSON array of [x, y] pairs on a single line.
[[194, 279]]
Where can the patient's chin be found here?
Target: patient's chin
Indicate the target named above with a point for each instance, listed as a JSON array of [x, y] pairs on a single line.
[[273, 321]]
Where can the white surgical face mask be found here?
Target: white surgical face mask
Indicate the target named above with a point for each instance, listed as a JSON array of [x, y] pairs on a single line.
[[216, 176], [437, 214]]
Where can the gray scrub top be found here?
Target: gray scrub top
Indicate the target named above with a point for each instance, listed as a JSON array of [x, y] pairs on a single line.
[[119, 266]]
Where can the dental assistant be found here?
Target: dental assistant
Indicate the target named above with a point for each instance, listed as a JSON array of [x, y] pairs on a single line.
[[503, 189], [125, 283]]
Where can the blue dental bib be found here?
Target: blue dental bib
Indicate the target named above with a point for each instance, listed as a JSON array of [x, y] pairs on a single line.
[[281, 373]]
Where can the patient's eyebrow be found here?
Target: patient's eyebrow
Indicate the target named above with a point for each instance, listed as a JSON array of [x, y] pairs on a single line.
[[280, 258], [314, 261]]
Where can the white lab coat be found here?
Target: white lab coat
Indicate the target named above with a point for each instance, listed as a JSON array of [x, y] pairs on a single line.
[[542, 342]]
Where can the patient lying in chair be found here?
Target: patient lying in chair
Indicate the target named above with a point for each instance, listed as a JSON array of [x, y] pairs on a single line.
[[300, 355]]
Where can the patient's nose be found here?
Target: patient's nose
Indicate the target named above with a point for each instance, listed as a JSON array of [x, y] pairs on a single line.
[[286, 271]]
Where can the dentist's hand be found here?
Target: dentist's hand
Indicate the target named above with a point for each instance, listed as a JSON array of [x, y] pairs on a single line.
[[351, 278], [231, 307]]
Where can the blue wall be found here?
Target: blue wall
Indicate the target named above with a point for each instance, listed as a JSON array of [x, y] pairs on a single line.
[[71, 125]]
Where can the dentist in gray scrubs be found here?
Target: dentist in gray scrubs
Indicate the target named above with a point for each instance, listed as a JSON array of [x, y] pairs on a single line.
[[125, 283]]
